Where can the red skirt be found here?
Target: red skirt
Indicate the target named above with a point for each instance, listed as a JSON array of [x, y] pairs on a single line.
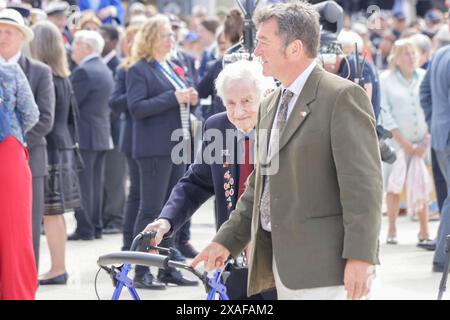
[[18, 275]]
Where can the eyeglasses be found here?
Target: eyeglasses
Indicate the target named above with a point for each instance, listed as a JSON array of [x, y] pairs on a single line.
[[166, 36]]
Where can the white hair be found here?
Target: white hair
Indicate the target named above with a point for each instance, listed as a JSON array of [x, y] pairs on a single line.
[[246, 72], [422, 42], [349, 38], [91, 38]]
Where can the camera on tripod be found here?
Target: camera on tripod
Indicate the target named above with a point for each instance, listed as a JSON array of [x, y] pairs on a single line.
[[244, 49]]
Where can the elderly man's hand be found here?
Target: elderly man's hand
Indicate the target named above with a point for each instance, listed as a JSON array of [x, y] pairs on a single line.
[[357, 278], [161, 227], [213, 256]]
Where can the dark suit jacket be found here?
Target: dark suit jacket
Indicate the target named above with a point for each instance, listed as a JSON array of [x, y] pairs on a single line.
[[92, 84], [40, 78], [113, 64], [155, 110], [118, 104], [60, 137], [203, 180]]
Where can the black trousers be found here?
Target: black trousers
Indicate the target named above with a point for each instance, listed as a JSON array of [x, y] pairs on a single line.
[[132, 203], [89, 216], [158, 175], [114, 188]]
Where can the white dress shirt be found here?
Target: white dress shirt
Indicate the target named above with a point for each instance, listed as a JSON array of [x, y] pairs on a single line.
[[13, 59]]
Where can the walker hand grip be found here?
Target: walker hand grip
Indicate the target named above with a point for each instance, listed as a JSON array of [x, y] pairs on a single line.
[[138, 258]]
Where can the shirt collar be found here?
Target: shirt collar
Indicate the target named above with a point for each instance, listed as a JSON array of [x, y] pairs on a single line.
[[109, 56], [89, 57], [403, 79], [13, 59], [241, 136], [297, 86]]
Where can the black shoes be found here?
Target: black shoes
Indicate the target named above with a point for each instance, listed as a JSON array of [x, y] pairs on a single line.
[[187, 250], [75, 236], [438, 268], [147, 281], [429, 245], [98, 234], [175, 277], [111, 230], [177, 256], [61, 279]]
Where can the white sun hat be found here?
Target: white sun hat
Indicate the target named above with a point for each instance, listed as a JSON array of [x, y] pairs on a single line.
[[14, 18]]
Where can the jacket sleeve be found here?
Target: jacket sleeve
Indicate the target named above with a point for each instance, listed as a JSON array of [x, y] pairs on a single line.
[[45, 100], [207, 85], [193, 189], [141, 102], [358, 173], [118, 99], [425, 96], [80, 85], [26, 106], [387, 120]]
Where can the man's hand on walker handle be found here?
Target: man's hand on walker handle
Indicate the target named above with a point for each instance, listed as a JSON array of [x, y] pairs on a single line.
[[213, 256], [161, 227], [358, 276]]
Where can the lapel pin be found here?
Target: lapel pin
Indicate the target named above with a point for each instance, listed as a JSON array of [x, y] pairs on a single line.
[[303, 114]]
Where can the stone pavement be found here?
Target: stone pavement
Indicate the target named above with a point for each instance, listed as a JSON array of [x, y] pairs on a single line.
[[405, 272]]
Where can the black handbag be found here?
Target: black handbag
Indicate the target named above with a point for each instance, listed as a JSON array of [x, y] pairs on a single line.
[[76, 137]]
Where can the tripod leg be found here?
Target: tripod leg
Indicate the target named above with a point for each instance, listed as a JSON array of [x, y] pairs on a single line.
[[443, 284]]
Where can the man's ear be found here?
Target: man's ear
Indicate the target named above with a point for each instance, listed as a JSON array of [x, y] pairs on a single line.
[[295, 48]]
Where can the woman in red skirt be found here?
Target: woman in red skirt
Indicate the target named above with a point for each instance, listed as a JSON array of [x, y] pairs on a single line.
[[18, 113]]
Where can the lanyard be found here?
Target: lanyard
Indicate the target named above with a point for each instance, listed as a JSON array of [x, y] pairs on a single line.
[[171, 75]]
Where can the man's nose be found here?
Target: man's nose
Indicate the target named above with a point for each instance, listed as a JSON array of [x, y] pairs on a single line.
[[239, 110]]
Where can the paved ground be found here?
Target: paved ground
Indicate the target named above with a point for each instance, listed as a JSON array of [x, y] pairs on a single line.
[[405, 272]]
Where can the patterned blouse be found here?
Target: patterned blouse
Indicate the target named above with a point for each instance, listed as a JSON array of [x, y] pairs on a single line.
[[18, 100]]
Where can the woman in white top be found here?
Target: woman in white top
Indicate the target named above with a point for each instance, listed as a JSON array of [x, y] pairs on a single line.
[[402, 114]]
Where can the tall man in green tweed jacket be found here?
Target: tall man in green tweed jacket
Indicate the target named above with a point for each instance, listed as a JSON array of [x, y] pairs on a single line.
[[313, 224]]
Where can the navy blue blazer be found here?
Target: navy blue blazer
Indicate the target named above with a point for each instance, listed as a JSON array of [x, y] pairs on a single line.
[[203, 180], [118, 104], [154, 108], [92, 84]]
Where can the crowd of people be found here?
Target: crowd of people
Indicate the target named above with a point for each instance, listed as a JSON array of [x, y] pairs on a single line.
[[90, 100]]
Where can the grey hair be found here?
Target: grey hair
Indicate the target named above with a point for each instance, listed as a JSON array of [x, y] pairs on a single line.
[[296, 21], [91, 38], [349, 38], [245, 71], [422, 42]]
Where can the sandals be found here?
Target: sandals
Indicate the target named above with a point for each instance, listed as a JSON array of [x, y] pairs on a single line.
[[392, 240]]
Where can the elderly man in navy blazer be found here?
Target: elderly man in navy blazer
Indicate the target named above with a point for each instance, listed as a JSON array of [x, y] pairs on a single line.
[[92, 85], [241, 85]]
